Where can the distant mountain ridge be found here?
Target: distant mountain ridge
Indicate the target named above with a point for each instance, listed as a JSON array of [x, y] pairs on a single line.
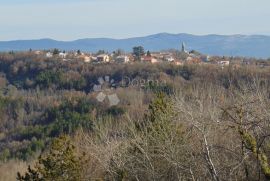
[[230, 45]]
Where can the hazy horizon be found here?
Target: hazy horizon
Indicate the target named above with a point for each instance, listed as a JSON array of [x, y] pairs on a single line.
[[44, 38], [118, 19]]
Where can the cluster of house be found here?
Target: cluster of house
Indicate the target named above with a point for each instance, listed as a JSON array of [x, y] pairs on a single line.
[[177, 58], [86, 57]]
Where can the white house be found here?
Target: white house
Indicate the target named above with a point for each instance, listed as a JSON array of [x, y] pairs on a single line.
[[49, 55], [168, 58], [103, 58], [224, 63], [94, 59], [62, 55], [122, 59]]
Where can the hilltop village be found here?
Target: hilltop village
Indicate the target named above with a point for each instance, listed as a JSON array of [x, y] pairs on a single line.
[[176, 57]]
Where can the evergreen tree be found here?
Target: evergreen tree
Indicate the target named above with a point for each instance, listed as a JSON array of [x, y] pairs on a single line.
[[56, 51], [61, 163], [138, 52], [148, 53]]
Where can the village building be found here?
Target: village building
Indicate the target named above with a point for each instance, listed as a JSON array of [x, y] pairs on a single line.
[[149, 59], [224, 63], [94, 59], [168, 58], [62, 55], [87, 59], [49, 55], [159, 56], [122, 59], [103, 58]]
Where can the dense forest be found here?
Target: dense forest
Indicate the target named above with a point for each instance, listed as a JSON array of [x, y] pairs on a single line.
[[188, 122]]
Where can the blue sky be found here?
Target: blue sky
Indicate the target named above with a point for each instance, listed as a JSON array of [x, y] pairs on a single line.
[[75, 19]]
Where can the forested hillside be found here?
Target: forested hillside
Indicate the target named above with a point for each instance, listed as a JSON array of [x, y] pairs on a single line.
[[188, 122]]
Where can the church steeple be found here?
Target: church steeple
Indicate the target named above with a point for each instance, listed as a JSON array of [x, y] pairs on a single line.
[[183, 47]]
